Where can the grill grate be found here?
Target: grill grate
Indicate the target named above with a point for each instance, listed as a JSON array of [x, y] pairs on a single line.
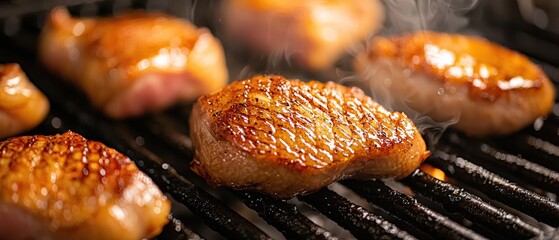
[[285, 217], [503, 190], [410, 210], [458, 200], [362, 223], [486, 154], [520, 172]]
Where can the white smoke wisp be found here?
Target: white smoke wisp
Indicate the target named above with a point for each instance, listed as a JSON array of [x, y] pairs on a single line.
[[552, 234], [399, 89], [405, 16], [418, 96]]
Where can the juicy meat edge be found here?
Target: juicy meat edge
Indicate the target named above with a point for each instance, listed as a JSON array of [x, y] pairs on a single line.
[[223, 164]]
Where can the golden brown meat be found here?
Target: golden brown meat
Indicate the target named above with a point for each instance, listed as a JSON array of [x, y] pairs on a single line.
[[314, 33], [488, 88], [22, 105], [286, 137], [67, 187], [133, 63]]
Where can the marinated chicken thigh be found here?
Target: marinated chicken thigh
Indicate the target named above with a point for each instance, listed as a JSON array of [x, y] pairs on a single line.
[[313, 33], [22, 105], [286, 137], [133, 63], [67, 187], [487, 89]]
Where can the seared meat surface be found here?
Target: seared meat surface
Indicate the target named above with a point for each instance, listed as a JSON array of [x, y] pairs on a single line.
[[133, 63], [67, 187], [22, 105], [313, 33], [487, 89], [286, 137]]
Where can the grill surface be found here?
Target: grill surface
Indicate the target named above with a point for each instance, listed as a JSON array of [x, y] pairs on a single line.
[[497, 188]]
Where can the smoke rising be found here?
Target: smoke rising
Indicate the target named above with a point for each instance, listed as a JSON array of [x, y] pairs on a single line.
[[405, 16], [400, 17], [389, 84]]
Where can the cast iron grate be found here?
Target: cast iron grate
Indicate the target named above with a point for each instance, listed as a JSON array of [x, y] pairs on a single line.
[[497, 188]]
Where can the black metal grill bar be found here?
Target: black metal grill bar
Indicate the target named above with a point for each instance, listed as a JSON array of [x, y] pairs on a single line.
[[284, 217], [8, 9], [535, 205], [175, 229], [483, 153], [360, 222], [532, 148], [165, 128], [410, 210], [327, 202], [456, 199], [548, 130], [217, 215]]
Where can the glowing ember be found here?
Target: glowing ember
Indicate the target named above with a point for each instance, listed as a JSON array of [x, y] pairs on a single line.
[[433, 171]]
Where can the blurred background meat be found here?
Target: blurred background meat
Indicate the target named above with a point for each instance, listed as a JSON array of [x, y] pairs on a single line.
[[485, 88], [22, 105], [313, 34], [133, 63]]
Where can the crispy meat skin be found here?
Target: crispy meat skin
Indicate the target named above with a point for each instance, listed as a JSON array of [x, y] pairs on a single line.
[[135, 62], [22, 105], [314, 33], [67, 187], [286, 137], [490, 89]]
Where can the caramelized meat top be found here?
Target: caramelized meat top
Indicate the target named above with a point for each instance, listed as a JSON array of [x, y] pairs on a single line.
[[131, 42], [66, 178], [306, 125], [489, 70]]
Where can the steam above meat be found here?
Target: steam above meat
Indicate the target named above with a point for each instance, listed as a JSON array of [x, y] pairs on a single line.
[[489, 89], [67, 187], [314, 33], [22, 105], [286, 137], [133, 63]]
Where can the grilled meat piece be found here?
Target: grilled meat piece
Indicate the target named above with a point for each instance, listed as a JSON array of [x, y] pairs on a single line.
[[133, 63], [286, 137], [22, 105], [67, 187], [491, 90], [314, 33]]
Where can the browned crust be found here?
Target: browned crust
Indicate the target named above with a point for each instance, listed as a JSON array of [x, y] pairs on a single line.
[[65, 178], [115, 53], [305, 126], [488, 70], [117, 42]]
